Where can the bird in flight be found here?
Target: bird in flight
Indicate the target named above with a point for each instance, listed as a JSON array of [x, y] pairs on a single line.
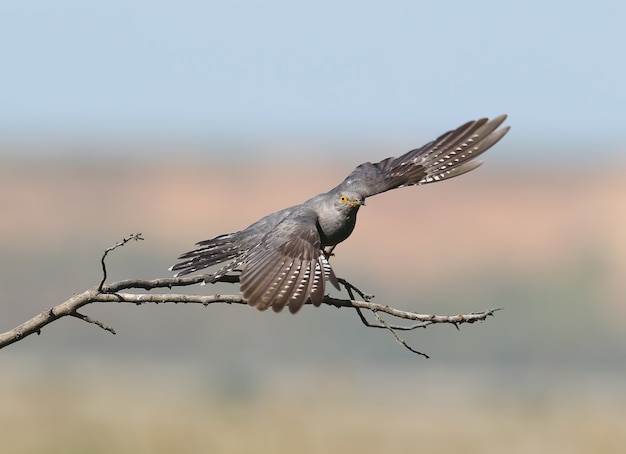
[[283, 257]]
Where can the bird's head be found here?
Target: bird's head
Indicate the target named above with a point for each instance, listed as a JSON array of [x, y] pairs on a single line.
[[350, 199]]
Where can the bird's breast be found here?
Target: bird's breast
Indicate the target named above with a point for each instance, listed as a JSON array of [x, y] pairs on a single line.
[[334, 230]]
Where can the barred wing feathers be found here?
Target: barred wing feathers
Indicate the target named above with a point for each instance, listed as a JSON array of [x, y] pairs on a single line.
[[288, 268], [450, 155]]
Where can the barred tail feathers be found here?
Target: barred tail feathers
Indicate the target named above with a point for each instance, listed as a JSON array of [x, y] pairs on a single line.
[[210, 252]]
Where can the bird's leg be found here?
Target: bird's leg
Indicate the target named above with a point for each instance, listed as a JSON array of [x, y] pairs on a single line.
[[328, 251]]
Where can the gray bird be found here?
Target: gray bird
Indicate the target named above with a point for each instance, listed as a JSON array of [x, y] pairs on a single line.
[[283, 257]]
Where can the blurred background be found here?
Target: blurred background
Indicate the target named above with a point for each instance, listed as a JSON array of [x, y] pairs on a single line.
[[183, 120]]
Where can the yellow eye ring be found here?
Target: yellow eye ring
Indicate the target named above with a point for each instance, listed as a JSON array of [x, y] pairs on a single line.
[[343, 199]]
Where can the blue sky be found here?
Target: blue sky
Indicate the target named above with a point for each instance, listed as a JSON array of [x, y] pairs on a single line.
[[330, 69]]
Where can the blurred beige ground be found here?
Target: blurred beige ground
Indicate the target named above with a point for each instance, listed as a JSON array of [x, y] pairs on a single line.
[[547, 374], [130, 410]]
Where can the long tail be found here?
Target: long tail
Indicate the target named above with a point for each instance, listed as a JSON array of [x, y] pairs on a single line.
[[209, 252]]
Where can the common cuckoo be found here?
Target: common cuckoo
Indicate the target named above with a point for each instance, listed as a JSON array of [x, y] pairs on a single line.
[[283, 257]]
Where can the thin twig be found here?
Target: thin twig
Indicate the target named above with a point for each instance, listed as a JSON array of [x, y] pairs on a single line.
[[349, 287], [426, 320], [88, 319], [398, 338], [133, 236]]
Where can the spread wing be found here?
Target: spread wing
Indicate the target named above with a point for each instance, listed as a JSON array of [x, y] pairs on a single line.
[[288, 267], [450, 155], [233, 247]]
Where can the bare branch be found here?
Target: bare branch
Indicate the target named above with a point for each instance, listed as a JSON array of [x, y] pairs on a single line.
[[88, 319], [384, 324], [427, 319], [144, 298], [132, 236], [113, 293], [349, 288], [71, 306]]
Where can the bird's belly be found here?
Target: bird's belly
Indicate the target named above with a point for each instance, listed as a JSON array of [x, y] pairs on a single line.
[[331, 235]]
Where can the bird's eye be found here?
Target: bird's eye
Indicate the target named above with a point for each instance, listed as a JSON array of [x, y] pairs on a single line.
[[343, 199]]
